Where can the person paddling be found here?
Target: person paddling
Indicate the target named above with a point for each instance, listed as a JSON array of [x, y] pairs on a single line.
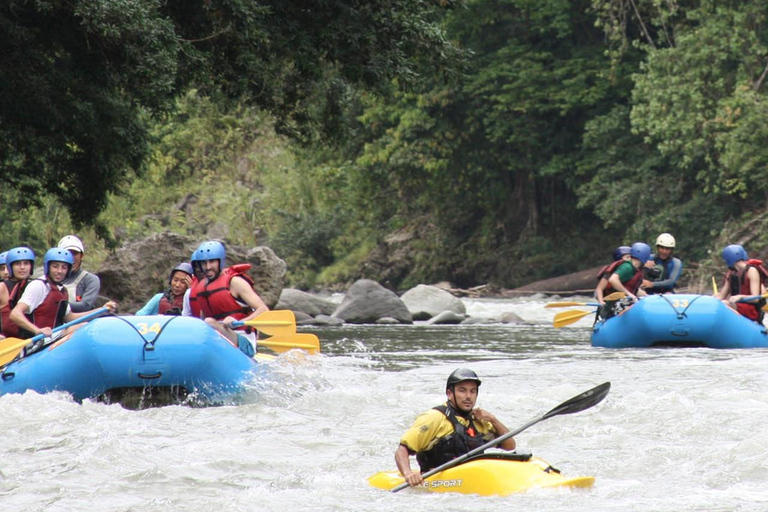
[[225, 295], [44, 303], [449, 430], [20, 262], [626, 277], [745, 278]]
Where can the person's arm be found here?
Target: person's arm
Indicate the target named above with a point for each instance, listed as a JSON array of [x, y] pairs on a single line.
[[91, 284], [151, 307], [615, 282], [71, 315], [600, 290], [5, 296], [243, 291], [403, 461], [18, 316], [187, 309], [674, 274], [754, 286], [498, 427]]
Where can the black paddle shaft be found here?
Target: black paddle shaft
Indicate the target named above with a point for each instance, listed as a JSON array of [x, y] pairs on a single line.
[[578, 403]]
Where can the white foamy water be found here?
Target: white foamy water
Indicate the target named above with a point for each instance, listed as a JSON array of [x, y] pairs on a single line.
[[681, 430]]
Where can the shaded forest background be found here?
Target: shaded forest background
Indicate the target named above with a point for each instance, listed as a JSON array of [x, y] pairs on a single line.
[[476, 141]]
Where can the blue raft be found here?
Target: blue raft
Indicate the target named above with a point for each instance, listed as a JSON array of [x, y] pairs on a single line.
[[112, 355], [679, 320]]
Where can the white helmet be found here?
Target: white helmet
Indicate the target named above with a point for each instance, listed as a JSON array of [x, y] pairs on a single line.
[[666, 240], [71, 242]]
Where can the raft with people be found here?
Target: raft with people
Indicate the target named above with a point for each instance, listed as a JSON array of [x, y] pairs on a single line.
[[679, 320], [176, 356]]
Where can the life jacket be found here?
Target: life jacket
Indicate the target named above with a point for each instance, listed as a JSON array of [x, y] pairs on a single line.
[[213, 298], [740, 281], [15, 290], [666, 270], [632, 285], [460, 441], [72, 287], [170, 305], [50, 312], [607, 270]]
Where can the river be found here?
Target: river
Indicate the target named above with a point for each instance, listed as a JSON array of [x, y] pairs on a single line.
[[681, 430]]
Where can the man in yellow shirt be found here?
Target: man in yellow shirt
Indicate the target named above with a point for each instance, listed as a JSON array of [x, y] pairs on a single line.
[[449, 430]]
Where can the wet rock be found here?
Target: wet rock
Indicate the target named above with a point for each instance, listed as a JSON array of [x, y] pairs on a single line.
[[426, 301], [511, 318], [446, 317], [297, 300], [367, 301]]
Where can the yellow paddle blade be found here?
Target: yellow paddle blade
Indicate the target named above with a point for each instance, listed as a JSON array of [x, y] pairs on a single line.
[[10, 348], [275, 323], [564, 304], [569, 317], [714, 285], [615, 296], [280, 344]]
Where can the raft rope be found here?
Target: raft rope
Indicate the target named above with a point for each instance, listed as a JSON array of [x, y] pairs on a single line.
[[149, 345], [680, 314]]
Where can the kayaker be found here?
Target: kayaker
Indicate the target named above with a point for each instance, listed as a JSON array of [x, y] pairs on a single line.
[[44, 303], [83, 286], [449, 430], [747, 278], [663, 269], [171, 301], [625, 277], [20, 262], [225, 295]]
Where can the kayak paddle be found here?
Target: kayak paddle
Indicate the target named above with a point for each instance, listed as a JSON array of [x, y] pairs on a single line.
[[11, 347], [609, 297], [578, 403], [281, 322], [569, 317]]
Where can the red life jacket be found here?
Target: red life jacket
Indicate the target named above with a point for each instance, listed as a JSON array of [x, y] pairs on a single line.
[[740, 282], [632, 285], [15, 289], [213, 298], [607, 270], [50, 312], [167, 304]]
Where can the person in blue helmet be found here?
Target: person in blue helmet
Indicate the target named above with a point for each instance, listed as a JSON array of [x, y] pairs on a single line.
[[449, 430], [626, 278], [620, 254], [663, 269], [225, 295], [44, 303], [20, 262], [171, 301], [3, 266], [745, 278]]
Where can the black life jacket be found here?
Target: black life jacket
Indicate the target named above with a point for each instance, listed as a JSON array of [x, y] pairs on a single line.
[[460, 441]]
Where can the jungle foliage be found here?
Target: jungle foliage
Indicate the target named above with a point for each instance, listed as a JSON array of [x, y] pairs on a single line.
[[515, 139]]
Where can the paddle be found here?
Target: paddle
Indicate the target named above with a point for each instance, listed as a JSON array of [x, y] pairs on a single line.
[[569, 317], [753, 297], [578, 403], [714, 285], [277, 323], [609, 297], [280, 344], [11, 347]]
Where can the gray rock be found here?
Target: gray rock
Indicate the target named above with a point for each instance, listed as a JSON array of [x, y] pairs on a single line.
[[366, 301], [426, 301], [327, 320], [387, 321], [300, 315], [446, 317], [511, 318], [475, 320], [138, 270], [297, 300]]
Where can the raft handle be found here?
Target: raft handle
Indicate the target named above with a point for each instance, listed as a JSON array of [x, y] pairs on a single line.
[[8, 375], [153, 376]]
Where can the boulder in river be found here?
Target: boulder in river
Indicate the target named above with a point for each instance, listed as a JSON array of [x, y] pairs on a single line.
[[426, 301], [297, 300], [367, 301]]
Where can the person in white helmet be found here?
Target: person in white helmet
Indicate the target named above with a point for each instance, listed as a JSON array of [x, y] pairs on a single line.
[[663, 269], [83, 286]]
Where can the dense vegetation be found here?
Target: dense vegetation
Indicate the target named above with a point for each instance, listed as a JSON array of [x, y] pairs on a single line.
[[503, 140]]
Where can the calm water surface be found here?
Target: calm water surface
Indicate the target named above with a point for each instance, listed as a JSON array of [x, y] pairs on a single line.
[[682, 429]]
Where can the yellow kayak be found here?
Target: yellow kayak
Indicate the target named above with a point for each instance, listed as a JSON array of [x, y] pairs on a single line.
[[490, 475]]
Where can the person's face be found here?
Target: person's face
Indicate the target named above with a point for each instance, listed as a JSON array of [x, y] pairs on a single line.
[[211, 269], [21, 269], [4, 272], [626, 257], [463, 396], [57, 271], [78, 256], [180, 282], [664, 252]]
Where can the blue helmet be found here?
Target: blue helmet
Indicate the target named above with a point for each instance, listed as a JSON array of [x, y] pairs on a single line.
[[3, 255], [734, 253], [183, 267], [211, 250], [641, 251], [621, 251], [19, 254], [56, 254]]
